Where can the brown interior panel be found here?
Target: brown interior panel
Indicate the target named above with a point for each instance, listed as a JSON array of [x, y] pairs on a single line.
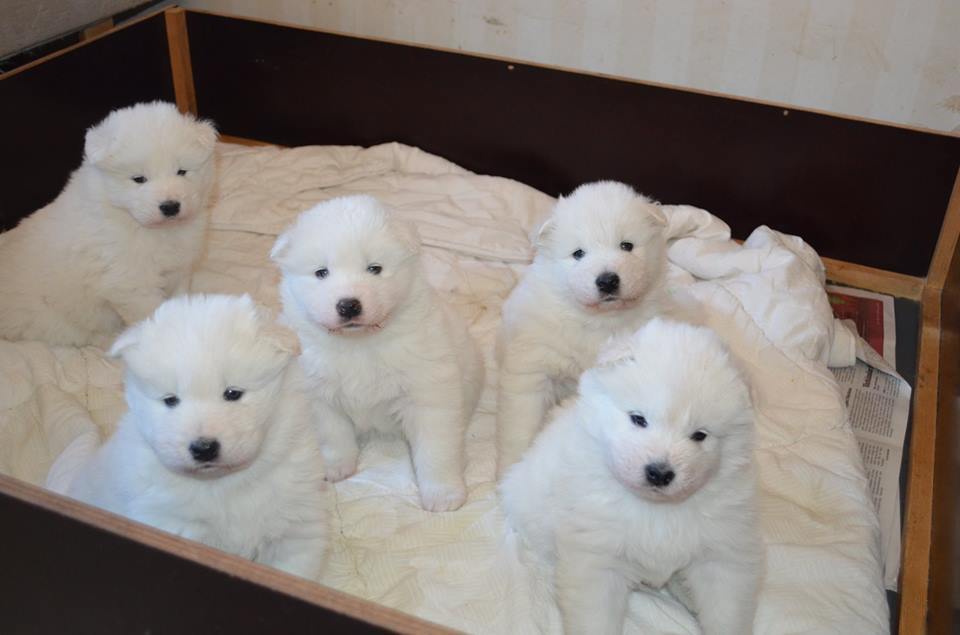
[[61, 575], [45, 109], [857, 191]]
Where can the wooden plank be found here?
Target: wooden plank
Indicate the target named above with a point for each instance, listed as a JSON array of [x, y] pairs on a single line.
[[97, 29], [178, 41], [243, 141], [918, 520], [177, 547], [947, 242], [879, 280]]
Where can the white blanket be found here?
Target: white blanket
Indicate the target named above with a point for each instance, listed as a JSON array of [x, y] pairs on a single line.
[[766, 298]]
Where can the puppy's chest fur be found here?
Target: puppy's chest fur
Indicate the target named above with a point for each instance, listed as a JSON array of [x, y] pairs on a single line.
[[239, 516], [166, 252], [364, 385]]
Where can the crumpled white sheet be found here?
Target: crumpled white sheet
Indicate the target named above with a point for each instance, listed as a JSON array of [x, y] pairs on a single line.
[[765, 298]]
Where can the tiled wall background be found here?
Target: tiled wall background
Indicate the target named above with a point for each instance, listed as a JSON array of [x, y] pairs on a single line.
[[893, 60]]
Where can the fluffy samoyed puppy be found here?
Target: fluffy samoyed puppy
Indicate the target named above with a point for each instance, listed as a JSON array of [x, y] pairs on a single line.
[[598, 272], [645, 479], [121, 237], [217, 445], [380, 348]]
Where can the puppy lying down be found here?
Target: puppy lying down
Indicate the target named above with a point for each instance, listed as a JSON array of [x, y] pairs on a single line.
[[217, 444], [381, 349], [122, 236], [645, 479]]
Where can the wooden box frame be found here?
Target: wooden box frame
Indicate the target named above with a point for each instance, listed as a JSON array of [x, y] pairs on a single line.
[[880, 202]]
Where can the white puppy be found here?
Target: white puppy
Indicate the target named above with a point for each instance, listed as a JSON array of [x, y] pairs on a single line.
[[380, 347], [598, 272], [217, 444], [646, 478], [121, 237]]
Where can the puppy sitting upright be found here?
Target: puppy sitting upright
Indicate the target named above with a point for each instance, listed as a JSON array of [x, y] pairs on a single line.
[[121, 237], [380, 347], [217, 445], [598, 272], [646, 478]]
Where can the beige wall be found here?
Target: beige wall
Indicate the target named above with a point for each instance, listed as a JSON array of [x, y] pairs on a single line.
[[895, 60]]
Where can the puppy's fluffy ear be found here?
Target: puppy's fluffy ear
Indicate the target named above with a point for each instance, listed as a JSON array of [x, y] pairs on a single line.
[[275, 331], [616, 350], [127, 340], [206, 135], [280, 247], [545, 232], [99, 142], [283, 338], [657, 214]]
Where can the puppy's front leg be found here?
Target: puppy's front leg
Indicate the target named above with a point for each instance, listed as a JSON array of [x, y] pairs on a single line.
[[435, 434], [592, 594], [338, 441], [722, 594], [521, 405]]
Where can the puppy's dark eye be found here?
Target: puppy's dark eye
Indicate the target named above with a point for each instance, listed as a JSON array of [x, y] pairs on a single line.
[[578, 254], [375, 269], [638, 419], [323, 272], [232, 394], [140, 180], [181, 172], [698, 436], [171, 401], [626, 246]]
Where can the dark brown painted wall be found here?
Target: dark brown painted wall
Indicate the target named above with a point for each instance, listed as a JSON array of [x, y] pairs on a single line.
[[860, 192], [45, 110]]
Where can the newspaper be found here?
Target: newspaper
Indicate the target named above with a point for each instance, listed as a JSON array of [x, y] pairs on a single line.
[[878, 403]]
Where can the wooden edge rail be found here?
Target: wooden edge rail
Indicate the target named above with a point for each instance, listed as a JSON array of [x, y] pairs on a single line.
[[918, 518], [915, 558], [175, 546]]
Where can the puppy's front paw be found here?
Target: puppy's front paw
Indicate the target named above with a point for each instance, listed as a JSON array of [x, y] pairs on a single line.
[[442, 497], [337, 467]]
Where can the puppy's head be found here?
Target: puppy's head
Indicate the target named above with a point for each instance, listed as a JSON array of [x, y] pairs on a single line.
[[670, 410], [347, 264], [153, 162], [203, 378], [605, 245]]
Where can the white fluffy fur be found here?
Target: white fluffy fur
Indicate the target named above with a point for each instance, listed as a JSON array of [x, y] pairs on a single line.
[[264, 496], [406, 361], [102, 254], [590, 522], [556, 320]]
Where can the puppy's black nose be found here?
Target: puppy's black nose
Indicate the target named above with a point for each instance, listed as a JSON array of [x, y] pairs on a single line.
[[170, 208], [348, 308], [608, 282], [659, 474], [205, 449]]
